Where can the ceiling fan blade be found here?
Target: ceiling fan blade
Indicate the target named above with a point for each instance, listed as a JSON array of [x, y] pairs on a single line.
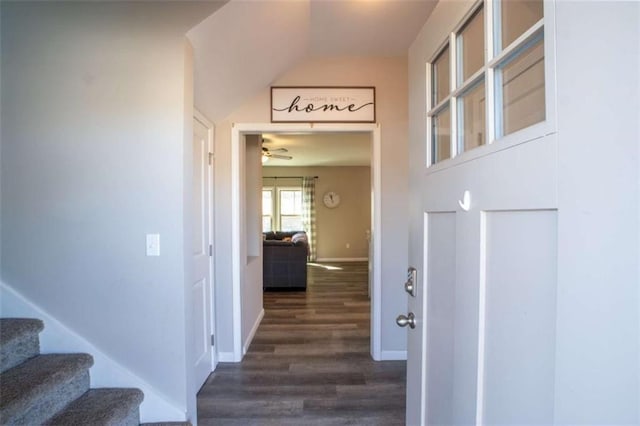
[[281, 157], [279, 150]]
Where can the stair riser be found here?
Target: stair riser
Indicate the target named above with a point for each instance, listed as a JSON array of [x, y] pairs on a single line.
[[132, 419], [53, 389], [104, 406], [52, 401], [18, 351]]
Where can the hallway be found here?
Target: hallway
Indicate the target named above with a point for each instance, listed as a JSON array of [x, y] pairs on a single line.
[[309, 362]]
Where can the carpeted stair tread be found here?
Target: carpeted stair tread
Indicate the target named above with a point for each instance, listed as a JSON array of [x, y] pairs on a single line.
[[167, 424], [39, 387], [19, 341], [11, 328], [102, 407]]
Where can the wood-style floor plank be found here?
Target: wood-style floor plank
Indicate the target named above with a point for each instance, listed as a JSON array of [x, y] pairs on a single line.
[[309, 362]]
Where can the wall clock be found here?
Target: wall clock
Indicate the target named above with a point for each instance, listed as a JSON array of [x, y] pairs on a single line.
[[331, 199]]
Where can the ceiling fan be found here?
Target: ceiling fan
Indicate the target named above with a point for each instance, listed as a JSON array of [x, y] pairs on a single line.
[[272, 153]]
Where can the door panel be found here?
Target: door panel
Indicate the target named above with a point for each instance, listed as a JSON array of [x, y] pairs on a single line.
[[472, 317], [440, 264], [200, 152], [201, 342], [519, 317]]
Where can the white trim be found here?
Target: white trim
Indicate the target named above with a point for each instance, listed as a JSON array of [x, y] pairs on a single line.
[[211, 178], [376, 213], [393, 356], [466, 86], [519, 137], [342, 259], [236, 298], [526, 37], [453, 99], [482, 309], [489, 77], [252, 333], [237, 131], [442, 105], [57, 337], [226, 357], [424, 370], [429, 151]]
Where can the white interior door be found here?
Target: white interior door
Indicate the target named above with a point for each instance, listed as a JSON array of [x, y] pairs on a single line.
[[485, 238], [202, 288]]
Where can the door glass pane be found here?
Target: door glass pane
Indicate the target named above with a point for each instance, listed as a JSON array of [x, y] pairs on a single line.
[[471, 118], [441, 136], [440, 78], [471, 46], [523, 98], [517, 17]]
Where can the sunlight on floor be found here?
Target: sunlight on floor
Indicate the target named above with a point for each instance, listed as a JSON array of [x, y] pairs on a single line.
[[327, 267]]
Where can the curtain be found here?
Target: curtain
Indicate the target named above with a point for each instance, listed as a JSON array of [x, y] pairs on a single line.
[[309, 213]]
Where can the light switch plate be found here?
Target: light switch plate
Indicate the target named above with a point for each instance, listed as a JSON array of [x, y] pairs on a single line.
[[153, 244]]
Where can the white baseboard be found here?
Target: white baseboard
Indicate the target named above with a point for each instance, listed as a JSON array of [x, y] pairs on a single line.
[[342, 259], [226, 357], [393, 355], [252, 333], [106, 372]]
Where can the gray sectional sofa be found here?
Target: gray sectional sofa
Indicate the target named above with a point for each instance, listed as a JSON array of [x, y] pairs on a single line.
[[284, 260]]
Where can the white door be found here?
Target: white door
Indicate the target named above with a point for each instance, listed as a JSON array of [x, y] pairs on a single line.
[[484, 228], [202, 287]]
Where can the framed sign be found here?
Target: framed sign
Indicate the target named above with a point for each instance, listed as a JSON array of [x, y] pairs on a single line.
[[323, 104]]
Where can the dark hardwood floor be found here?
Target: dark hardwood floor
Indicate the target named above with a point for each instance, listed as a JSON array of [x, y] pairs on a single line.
[[309, 362]]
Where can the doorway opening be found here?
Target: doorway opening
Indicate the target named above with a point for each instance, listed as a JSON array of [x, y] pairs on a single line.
[[243, 135]]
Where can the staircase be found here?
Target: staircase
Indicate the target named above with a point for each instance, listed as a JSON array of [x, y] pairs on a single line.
[[53, 389]]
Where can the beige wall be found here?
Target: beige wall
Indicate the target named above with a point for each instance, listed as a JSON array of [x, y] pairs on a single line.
[[344, 225]]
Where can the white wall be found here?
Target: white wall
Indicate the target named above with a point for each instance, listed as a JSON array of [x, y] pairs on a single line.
[[598, 83], [389, 75], [95, 110], [228, 73]]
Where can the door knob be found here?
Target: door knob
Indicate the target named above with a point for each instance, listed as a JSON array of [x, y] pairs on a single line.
[[409, 320]]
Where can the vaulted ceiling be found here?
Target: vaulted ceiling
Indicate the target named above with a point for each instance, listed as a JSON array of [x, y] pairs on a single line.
[[247, 44]]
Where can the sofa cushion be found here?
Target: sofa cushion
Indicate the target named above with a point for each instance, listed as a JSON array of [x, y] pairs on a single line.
[[279, 235], [299, 237], [269, 243]]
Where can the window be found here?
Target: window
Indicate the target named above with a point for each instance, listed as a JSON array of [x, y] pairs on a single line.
[[497, 89], [290, 209], [283, 213], [267, 210]]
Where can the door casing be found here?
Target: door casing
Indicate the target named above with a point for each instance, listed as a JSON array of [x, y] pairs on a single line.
[[237, 144]]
